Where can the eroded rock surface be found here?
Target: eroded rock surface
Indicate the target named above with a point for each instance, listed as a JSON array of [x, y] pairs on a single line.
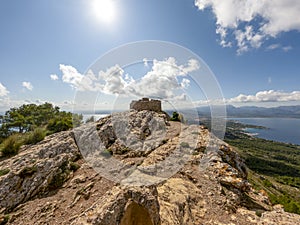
[[53, 182]]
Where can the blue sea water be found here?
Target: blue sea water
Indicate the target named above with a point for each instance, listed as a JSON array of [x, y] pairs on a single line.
[[279, 129]]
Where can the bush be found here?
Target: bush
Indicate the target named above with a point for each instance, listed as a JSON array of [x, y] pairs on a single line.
[[175, 117], [4, 172], [74, 166], [11, 145], [4, 219], [35, 136], [184, 145]]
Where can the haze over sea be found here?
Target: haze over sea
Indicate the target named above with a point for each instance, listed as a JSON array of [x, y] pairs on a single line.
[[279, 129]]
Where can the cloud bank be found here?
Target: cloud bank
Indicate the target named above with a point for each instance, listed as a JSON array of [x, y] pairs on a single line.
[[27, 85], [160, 82], [251, 22], [267, 96], [3, 90]]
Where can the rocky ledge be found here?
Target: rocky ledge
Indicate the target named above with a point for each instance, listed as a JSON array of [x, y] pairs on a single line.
[[62, 180]]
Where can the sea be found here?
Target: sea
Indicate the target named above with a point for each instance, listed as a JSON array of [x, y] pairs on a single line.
[[96, 116], [285, 130]]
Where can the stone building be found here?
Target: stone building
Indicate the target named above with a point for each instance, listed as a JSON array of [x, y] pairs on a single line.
[[146, 104]]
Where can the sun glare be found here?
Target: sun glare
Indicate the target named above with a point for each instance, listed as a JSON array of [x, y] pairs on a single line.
[[105, 10]]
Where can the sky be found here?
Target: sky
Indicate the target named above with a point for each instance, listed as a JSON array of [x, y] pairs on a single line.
[[49, 49]]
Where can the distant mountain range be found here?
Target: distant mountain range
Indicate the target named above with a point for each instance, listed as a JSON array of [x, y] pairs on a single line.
[[253, 111]]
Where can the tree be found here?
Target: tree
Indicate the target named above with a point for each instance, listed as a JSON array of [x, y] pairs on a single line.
[[31, 116], [64, 121]]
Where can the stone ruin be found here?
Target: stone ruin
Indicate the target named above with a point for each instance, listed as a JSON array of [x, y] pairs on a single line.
[[146, 104]]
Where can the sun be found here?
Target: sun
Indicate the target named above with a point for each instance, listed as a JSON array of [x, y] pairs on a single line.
[[104, 10]]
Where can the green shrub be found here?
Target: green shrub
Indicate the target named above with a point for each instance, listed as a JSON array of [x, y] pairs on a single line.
[[35, 136], [175, 117], [4, 219], [74, 166], [184, 145], [11, 145], [28, 171], [4, 171], [267, 183]]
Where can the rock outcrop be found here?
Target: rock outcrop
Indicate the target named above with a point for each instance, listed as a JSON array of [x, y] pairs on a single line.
[[156, 172]]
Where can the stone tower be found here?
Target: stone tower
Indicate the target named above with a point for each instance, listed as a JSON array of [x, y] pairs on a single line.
[[146, 104]]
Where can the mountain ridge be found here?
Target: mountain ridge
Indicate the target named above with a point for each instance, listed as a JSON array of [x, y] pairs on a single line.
[[255, 111]]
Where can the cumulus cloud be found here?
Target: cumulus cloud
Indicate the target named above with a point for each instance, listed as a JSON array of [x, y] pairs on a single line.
[[251, 22], [27, 85], [70, 75], [53, 77], [3, 90], [267, 96], [160, 82]]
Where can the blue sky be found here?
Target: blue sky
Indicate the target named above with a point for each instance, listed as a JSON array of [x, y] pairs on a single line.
[[252, 48]]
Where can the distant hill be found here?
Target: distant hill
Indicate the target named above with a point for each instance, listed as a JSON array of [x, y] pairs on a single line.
[[253, 111]]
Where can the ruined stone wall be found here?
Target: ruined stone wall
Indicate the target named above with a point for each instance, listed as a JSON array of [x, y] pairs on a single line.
[[146, 104]]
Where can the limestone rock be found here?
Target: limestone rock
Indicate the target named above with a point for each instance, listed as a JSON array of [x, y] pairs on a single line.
[[200, 179], [37, 169]]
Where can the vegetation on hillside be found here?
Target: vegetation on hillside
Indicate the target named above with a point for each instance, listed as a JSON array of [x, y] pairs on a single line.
[[29, 124], [275, 166]]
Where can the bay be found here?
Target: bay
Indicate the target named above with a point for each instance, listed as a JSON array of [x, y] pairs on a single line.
[[285, 130]]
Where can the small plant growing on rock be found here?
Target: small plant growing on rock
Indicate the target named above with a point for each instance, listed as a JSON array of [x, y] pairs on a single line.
[[74, 166], [28, 171], [4, 172], [4, 219], [184, 145], [11, 145], [106, 153], [175, 117]]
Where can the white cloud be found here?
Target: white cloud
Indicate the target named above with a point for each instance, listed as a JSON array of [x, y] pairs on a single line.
[[6, 103], [273, 46], [251, 22], [267, 96], [27, 85], [114, 80], [145, 62], [53, 77], [3, 90], [185, 83], [70, 75], [160, 82], [278, 46], [287, 48]]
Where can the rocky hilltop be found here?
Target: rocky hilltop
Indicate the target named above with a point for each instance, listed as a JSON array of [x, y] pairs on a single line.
[[132, 168]]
